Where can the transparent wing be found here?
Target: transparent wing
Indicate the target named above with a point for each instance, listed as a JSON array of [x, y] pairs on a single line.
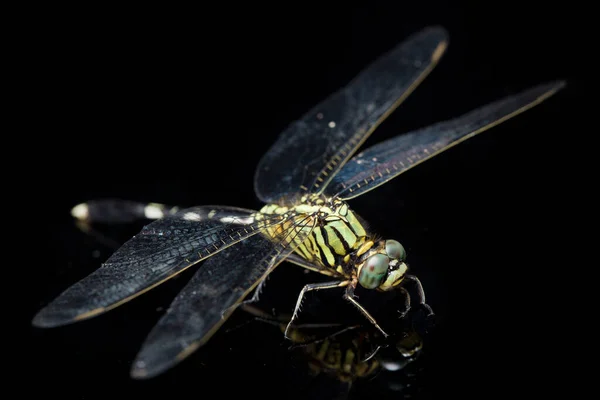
[[386, 160], [311, 150], [222, 282], [161, 250]]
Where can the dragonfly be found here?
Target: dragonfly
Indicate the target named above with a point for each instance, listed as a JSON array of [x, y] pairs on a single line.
[[305, 179]]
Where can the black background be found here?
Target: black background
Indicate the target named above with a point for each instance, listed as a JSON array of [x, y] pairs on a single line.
[[177, 106]]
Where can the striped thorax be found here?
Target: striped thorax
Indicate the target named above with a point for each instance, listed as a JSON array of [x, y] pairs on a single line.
[[338, 244]]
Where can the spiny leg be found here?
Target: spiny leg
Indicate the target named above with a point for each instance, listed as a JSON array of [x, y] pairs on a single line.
[[420, 292], [257, 315], [349, 295], [308, 288], [253, 299], [371, 354], [315, 339], [261, 315]]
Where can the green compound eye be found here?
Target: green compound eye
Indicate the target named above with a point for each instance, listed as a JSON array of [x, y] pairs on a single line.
[[373, 271], [395, 250]]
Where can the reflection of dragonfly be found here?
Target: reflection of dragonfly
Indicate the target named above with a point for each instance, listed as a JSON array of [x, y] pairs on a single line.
[[337, 356], [305, 179], [346, 352]]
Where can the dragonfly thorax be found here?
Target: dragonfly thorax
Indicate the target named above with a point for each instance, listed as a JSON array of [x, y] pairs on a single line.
[[331, 231], [337, 243]]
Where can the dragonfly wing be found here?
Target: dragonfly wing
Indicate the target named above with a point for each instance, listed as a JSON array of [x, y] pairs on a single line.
[[388, 159], [311, 150], [222, 282], [161, 250]]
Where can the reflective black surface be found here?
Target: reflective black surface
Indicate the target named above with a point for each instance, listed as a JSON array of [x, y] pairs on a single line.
[[181, 114]]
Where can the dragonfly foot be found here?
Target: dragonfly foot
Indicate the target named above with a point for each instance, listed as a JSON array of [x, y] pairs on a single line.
[[430, 312], [287, 329], [385, 335], [403, 313]]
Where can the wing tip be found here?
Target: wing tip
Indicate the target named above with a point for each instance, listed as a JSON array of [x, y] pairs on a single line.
[[139, 371], [435, 35], [51, 317], [143, 368], [558, 85], [154, 360], [46, 319], [549, 89], [437, 30]]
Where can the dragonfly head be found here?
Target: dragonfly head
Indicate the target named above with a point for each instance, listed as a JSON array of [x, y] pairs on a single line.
[[384, 267]]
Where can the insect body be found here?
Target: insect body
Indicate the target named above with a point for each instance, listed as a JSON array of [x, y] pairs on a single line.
[[338, 242], [306, 179], [338, 245]]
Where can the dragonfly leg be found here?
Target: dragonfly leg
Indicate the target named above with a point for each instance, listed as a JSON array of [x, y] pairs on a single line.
[[371, 354], [253, 299], [258, 315], [279, 320], [406, 302], [315, 339], [308, 288], [349, 295], [420, 292]]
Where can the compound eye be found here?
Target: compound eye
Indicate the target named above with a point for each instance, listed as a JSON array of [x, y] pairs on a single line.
[[394, 249], [374, 270]]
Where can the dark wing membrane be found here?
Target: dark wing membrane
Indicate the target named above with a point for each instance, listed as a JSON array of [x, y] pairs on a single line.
[[161, 250], [386, 160], [221, 283], [311, 150]]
